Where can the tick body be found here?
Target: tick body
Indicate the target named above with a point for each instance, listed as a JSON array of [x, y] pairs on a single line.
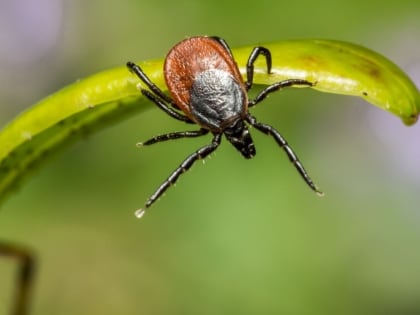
[[207, 89], [205, 83]]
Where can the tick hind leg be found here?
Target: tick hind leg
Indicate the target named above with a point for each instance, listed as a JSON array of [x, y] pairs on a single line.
[[250, 64], [25, 276], [185, 166], [269, 130], [142, 76], [223, 43], [156, 95], [272, 88]]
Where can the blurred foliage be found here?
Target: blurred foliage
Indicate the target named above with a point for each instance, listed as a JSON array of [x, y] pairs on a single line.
[[235, 236]]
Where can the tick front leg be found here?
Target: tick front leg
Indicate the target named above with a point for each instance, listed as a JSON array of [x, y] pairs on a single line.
[[25, 276], [185, 166], [269, 130]]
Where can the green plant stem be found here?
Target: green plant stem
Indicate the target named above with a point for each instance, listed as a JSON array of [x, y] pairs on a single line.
[[108, 97]]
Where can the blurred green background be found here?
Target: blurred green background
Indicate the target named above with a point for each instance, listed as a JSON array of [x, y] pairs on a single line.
[[235, 236]]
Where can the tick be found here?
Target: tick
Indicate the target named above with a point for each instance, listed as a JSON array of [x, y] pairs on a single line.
[[207, 89]]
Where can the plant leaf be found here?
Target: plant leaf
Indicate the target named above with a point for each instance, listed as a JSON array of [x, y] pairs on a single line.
[[342, 68], [110, 96]]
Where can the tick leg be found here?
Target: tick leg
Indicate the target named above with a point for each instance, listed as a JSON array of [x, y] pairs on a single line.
[[25, 276], [277, 86], [269, 130], [158, 97], [185, 166], [223, 43], [163, 106], [250, 64], [140, 73], [175, 135]]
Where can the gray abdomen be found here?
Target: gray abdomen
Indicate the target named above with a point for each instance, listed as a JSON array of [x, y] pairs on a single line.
[[216, 99]]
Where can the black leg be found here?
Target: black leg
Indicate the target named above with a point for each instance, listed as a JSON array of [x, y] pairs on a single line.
[[25, 276], [277, 86], [269, 130], [223, 43], [175, 135], [139, 72], [250, 64], [185, 166], [158, 97], [163, 106]]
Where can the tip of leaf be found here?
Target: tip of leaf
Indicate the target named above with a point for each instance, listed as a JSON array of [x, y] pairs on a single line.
[[410, 120]]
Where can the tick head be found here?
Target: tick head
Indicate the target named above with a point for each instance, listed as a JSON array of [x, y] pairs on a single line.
[[238, 134]]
